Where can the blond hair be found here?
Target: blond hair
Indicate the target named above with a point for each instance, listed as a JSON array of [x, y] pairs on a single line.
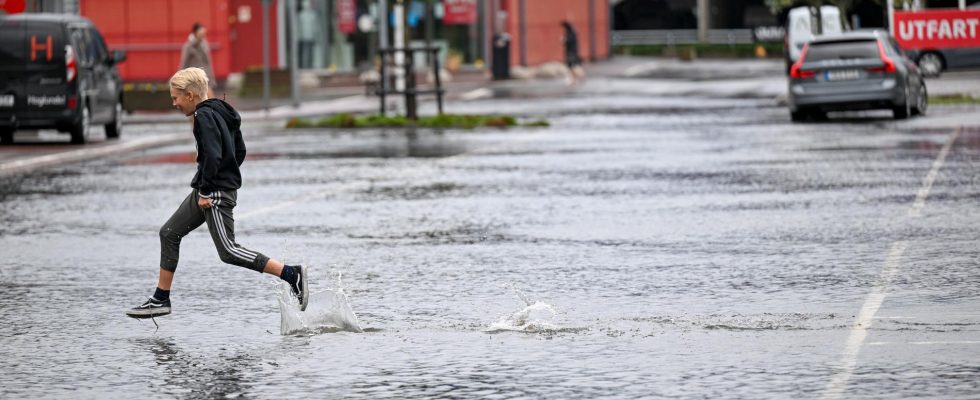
[[193, 80]]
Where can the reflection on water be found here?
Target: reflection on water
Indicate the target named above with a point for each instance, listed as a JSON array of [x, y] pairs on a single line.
[[181, 374]]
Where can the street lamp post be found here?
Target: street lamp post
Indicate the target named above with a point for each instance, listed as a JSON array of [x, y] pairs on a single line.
[[382, 46], [890, 4], [265, 55], [293, 57], [704, 20]]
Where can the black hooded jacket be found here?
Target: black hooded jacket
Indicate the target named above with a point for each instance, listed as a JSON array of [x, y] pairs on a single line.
[[220, 148]]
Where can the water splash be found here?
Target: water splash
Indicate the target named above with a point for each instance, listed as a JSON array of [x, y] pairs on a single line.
[[329, 311], [534, 316]]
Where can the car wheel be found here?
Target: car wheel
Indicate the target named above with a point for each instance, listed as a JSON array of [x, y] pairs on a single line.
[[114, 127], [921, 102], [902, 111], [6, 136], [79, 132], [931, 64]]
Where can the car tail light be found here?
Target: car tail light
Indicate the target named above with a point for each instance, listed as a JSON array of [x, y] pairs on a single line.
[[72, 102], [889, 67], [71, 64], [795, 72]]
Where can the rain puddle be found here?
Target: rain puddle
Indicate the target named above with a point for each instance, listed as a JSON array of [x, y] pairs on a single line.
[[329, 311]]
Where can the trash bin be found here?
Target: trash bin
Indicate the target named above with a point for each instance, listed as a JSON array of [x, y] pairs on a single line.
[[501, 56]]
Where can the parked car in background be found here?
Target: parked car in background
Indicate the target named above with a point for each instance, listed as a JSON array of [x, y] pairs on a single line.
[[855, 71], [56, 73], [801, 27]]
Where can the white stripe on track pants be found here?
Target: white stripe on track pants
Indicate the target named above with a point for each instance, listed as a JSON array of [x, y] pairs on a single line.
[[221, 224]]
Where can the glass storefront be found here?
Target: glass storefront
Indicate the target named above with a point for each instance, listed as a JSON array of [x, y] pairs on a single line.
[[342, 35]]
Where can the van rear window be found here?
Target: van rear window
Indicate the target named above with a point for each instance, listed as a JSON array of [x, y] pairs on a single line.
[[25, 43], [842, 50]]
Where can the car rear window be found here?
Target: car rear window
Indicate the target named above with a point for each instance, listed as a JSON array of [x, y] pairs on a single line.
[[24, 43], [842, 50]]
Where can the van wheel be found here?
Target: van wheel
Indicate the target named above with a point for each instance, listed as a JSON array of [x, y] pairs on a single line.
[[6, 136], [797, 116], [79, 132], [114, 127]]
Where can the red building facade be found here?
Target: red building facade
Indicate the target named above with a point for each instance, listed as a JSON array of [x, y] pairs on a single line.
[[536, 32], [153, 32]]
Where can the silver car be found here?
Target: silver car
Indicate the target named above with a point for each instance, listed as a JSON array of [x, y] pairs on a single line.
[[855, 71]]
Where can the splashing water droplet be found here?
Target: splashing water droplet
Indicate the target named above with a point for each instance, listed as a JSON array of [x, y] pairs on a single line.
[[329, 311], [534, 316]]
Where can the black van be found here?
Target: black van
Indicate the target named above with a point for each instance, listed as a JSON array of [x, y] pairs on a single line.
[[56, 73]]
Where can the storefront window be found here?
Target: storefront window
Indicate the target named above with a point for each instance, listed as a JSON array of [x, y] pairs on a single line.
[[343, 35], [309, 34]]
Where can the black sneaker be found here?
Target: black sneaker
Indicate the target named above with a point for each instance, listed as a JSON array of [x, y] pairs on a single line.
[[301, 287], [152, 308]]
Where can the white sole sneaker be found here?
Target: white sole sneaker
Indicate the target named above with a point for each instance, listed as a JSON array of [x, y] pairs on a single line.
[[304, 298], [150, 309]]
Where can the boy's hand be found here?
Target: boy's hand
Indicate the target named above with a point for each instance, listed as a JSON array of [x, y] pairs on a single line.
[[203, 202]]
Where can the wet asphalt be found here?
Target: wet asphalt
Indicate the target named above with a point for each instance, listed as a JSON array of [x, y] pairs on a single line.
[[639, 247]]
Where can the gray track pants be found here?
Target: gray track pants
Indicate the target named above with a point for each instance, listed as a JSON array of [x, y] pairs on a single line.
[[221, 224]]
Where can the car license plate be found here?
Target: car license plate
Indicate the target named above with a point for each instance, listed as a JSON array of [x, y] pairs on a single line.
[[6, 100], [842, 75]]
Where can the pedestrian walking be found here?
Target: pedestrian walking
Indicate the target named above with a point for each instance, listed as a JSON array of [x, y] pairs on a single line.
[[572, 59], [197, 53], [220, 154]]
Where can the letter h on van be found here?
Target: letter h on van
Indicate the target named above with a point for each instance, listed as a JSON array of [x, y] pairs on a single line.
[[36, 47]]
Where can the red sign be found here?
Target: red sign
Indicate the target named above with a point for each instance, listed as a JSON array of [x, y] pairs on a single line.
[[459, 12], [347, 16], [13, 6], [937, 29]]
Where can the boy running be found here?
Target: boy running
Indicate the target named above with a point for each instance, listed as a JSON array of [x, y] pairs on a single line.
[[220, 153]]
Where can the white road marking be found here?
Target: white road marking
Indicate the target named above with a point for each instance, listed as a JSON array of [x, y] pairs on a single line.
[[835, 388], [920, 198], [89, 153]]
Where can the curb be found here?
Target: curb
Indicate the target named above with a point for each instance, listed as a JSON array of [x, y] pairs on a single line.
[[307, 108], [34, 163]]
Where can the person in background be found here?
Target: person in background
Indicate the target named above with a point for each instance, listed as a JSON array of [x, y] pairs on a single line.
[[572, 59], [197, 53]]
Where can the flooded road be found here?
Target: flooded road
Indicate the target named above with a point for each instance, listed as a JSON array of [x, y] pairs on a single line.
[[640, 247]]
